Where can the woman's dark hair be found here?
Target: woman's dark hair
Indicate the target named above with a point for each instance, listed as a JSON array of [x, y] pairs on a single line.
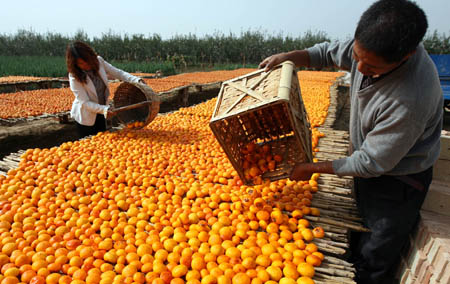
[[81, 50], [391, 29]]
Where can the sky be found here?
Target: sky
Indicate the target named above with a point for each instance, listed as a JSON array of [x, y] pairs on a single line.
[[337, 18]]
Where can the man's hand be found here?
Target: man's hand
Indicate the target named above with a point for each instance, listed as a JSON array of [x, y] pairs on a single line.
[[272, 61], [299, 57], [301, 171], [304, 171]]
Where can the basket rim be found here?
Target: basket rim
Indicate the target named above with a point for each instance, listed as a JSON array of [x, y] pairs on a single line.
[[149, 94]]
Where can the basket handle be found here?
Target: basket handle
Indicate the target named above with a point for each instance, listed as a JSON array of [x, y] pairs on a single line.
[[119, 109]]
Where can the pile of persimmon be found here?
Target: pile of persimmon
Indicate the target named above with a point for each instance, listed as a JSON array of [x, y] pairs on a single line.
[[52, 101], [143, 74], [257, 160], [135, 124], [313, 83], [211, 76], [161, 204], [203, 109], [16, 79]]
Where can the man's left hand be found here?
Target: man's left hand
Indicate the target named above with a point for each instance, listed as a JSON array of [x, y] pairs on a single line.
[[301, 171], [304, 171]]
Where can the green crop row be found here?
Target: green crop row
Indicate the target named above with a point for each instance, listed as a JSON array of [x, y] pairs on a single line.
[[55, 66]]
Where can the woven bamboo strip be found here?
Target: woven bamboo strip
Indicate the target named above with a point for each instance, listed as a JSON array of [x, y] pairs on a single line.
[[331, 143], [328, 279], [330, 227], [347, 184], [335, 190], [338, 190], [343, 207], [333, 149], [330, 249], [342, 267], [332, 243], [340, 215], [338, 207], [328, 156], [326, 186], [338, 219], [336, 178], [348, 225], [334, 197], [348, 267], [247, 91], [334, 260], [336, 237], [335, 272], [333, 207], [260, 79]]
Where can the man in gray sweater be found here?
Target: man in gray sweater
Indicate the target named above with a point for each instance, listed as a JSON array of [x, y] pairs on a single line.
[[395, 125]]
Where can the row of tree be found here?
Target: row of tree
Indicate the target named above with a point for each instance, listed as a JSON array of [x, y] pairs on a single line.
[[249, 47]]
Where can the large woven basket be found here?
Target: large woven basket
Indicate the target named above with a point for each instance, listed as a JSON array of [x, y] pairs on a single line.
[[133, 93], [264, 108]]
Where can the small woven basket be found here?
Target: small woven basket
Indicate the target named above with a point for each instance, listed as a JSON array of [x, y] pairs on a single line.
[[133, 93]]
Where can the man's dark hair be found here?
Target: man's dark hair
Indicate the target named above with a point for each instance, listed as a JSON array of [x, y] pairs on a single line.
[[391, 29]]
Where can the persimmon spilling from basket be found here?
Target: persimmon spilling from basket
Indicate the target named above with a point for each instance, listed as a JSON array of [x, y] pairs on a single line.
[[257, 160], [135, 124]]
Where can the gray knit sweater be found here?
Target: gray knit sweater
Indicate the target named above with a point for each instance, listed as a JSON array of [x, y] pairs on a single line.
[[395, 123]]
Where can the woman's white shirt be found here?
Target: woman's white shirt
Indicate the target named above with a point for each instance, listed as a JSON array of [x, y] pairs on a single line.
[[85, 106]]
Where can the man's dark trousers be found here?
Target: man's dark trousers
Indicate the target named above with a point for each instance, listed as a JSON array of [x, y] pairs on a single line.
[[390, 209]]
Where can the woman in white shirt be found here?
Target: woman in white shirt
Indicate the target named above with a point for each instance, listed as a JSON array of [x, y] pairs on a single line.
[[88, 78]]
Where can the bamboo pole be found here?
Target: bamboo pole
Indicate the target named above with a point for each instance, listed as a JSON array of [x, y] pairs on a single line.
[[340, 215], [335, 272], [328, 279], [330, 249], [335, 189], [334, 197], [332, 243], [336, 208], [334, 260], [330, 228], [348, 225]]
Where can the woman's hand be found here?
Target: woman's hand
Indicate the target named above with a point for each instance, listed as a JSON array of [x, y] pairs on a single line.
[[272, 61], [110, 113]]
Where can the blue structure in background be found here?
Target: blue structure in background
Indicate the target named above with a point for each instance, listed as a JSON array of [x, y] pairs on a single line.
[[442, 62]]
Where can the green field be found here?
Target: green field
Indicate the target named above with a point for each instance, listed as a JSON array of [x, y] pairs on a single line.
[[55, 66]]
